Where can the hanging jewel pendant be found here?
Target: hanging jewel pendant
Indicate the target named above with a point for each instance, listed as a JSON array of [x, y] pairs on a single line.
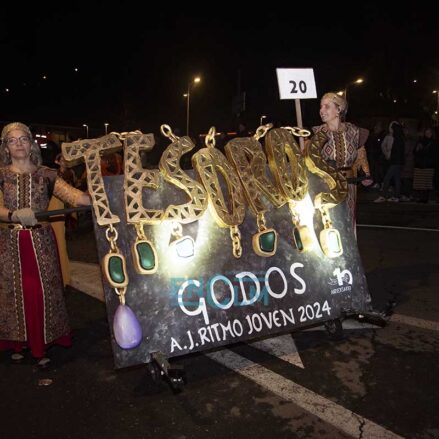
[[115, 269], [302, 237], [114, 262], [144, 253], [330, 239], [126, 328], [184, 245], [265, 240]]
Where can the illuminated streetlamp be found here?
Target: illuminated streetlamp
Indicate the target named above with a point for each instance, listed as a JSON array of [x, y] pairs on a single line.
[[86, 129], [188, 98], [262, 119], [436, 92], [106, 127], [345, 91]]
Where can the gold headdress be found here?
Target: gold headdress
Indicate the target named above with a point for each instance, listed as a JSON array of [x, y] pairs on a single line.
[[339, 101], [15, 126]]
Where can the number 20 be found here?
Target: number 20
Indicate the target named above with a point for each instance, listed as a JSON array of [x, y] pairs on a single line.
[[302, 86]]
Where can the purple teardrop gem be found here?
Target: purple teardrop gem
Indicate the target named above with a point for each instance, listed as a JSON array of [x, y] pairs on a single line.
[[126, 328]]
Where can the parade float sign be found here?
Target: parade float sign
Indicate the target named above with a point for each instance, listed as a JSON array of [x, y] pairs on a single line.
[[253, 242]]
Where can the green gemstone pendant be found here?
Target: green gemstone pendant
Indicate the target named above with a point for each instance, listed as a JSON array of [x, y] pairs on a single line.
[[297, 239], [302, 238], [265, 242], [144, 257], [115, 270]]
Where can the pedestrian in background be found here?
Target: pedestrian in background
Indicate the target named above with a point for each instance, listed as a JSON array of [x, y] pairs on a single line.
[[425, 157], [375, 154], [394, 150], [409, 165]]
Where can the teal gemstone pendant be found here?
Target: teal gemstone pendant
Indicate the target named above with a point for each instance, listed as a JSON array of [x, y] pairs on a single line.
[[144, 257], [265, 242], [115, 270]]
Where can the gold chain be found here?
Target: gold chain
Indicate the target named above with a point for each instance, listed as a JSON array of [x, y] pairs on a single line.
[[294, 216], [112, 235], [140, 231], [125, 134], [177, 230], [262, 131], [210, 138], [260, 220], [299, 132], [121, 293], [167, 132], [235, 234], [327, 223]]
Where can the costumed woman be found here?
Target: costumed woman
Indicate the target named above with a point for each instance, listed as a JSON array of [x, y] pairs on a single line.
[[344, 149], [32, 308]]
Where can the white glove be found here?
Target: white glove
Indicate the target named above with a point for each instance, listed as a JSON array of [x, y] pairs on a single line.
[[25, 216]]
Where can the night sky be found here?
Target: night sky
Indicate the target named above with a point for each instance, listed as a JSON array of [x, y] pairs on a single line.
[[133, 67]]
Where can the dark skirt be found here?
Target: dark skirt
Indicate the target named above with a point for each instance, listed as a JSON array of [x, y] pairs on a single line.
[[423, 179]]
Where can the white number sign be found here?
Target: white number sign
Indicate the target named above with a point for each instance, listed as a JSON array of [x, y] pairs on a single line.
[[296, 83]]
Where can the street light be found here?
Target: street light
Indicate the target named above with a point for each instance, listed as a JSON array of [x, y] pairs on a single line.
[[261, 120], [187, 95], [106, 127], [86, 129], [357, 81], [436, 92]]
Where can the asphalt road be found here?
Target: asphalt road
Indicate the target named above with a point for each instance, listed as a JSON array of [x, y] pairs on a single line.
[[373, 382]]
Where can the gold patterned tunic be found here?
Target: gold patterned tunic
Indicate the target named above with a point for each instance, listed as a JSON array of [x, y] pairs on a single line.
[[345, 151], [32, 190]]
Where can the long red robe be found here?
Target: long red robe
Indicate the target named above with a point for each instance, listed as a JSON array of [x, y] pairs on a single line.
[[32, 306]]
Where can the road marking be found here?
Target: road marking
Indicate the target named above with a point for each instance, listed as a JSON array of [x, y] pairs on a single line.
[[325, 409], [378, 226], [413, 321], [282, 347], [86, 278], [285, 348]]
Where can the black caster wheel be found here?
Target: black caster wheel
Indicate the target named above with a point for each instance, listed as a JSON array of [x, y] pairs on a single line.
[[154, 370], [334, 329]]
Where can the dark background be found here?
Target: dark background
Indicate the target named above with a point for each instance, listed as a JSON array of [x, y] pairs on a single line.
[[134, 66]]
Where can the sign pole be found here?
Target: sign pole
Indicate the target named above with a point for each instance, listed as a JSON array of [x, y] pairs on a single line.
[[299, 122], [297, 84]]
